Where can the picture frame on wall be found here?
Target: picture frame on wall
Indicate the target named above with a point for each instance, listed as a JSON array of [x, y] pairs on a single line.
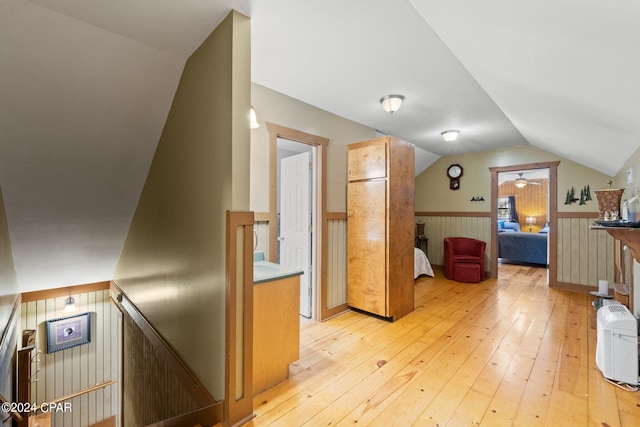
[[68, 332]]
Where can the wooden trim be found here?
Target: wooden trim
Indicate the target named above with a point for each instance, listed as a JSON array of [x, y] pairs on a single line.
[[24, 380], [296, 135], [261, 216], [333, 216], [84, 391], [15, 415], [207, 416], [587, 215], [107, 422], [553, 214], [456, 214], [64, 292], [573, 287], [238, 401], [320, 226], [195, 388], [540, 165]]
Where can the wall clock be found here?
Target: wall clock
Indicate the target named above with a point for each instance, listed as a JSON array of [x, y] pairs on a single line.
[[454, 172]]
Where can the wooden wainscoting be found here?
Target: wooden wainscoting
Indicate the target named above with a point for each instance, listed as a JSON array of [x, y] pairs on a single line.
[[66, 372], [584, 255], [438, 225], [335, 299]]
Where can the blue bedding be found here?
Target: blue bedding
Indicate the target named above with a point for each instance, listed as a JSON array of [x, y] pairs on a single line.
[[523, 247]]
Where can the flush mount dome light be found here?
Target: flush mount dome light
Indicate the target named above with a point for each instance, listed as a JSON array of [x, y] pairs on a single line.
[[391, 103], [450, 135]]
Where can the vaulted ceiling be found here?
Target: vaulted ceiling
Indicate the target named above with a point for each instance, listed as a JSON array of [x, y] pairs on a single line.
[[87, 84]]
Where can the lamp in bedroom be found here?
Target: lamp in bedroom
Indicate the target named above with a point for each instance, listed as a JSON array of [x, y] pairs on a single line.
[[530, 221]]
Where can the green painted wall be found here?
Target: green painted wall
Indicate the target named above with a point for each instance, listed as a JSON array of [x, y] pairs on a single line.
[[432, 185], [173, 263], [285, 111]]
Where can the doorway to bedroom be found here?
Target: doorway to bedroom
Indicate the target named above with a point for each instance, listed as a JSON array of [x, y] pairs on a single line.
[[524, 204]]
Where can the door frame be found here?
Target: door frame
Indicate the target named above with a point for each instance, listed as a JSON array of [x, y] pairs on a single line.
[[319, 245], [553, 215]]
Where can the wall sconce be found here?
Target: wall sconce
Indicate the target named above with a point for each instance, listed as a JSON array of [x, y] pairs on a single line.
[[70, 305], [391, 103], [253, 121], [450, 135]]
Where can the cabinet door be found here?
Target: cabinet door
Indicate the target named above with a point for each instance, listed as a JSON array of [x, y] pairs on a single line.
[[366, 246], [367, 162]]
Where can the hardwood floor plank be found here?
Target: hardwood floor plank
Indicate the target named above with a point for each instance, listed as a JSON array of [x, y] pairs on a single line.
[[501, 352]]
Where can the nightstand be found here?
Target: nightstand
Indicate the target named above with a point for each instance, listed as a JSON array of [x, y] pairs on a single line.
[[422, 242]]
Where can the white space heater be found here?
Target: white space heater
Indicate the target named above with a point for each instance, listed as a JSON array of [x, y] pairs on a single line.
[[617, 345]]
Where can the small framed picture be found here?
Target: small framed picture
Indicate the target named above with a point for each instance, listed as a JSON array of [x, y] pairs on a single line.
[[67, 332]]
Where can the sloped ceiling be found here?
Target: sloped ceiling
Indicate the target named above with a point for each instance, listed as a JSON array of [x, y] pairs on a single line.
[[87, 84]]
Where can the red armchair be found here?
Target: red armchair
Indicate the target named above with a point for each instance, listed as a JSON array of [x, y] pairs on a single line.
[[464, 259]]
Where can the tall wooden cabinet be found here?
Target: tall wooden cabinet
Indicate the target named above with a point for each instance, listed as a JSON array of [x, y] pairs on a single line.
[[380, 226]]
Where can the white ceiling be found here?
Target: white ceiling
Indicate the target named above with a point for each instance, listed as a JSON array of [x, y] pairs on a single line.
[[87, 84]]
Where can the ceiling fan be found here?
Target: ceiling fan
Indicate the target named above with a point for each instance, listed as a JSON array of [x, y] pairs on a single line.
[[522, 182]]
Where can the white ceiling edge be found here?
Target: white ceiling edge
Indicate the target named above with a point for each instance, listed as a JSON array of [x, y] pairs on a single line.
[[423, 160]]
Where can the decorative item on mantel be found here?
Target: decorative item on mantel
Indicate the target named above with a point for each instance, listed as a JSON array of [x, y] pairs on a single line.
[[609, 202]]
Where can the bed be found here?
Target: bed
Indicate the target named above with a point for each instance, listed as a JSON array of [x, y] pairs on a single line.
[[421, 264], [523, 247]]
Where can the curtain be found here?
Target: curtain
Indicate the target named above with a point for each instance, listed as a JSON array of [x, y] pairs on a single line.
[[513, 215]]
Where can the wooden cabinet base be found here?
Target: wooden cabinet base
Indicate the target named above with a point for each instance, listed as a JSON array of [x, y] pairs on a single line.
[[276, 331]]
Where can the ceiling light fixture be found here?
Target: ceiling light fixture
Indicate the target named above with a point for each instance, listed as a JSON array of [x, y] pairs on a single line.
[[253, 121], [70, 305], [450, 135], [521, 182], [391, 103]]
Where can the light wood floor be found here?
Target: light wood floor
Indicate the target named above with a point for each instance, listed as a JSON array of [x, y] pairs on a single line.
[[497, 353]]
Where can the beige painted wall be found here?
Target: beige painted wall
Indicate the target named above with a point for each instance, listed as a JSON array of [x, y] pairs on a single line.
[[432, 186], [172, 266], [620, 180], [274, 107]]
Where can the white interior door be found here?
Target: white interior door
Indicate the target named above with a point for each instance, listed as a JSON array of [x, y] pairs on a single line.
[[295, 222]]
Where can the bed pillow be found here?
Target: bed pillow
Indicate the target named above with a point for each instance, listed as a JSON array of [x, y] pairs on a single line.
[[500, 225], [512, 226], [544, 230]]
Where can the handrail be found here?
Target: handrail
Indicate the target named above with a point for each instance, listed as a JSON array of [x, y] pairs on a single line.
[[15, 415], [192, 383], [81, 392]]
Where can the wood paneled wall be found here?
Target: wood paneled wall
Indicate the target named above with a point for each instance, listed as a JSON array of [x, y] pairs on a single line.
[[531, 200], [69, 371], [152, 391], [584, 256], [437, 227], [336, 262]]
